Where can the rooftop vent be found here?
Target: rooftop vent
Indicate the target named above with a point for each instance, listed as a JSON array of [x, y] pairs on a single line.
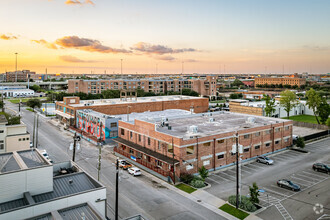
[[70, 181], [169, 127], [251, 120], [193, 129], [211, 119]]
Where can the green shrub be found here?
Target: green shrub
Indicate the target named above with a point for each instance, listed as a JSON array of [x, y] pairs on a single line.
[[244, 204], [186, 178], [300, 142], [203, 172], [197, 183]]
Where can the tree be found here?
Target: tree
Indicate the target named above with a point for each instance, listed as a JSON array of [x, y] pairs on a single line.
[[300, 142], [328, 123], [2, 106], [36, 88], [237, 83], [32, 103], [288, 101], [203, 172], [313, 101], [323, 110], [270, 105], [254, 193]]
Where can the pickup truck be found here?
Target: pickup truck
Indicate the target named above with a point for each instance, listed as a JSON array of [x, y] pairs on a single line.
[[124, 164]]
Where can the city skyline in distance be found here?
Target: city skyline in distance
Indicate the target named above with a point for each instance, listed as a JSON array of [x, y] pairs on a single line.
[[148, 37]]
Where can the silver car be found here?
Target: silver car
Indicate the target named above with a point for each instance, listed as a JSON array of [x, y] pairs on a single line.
[[265, 160]]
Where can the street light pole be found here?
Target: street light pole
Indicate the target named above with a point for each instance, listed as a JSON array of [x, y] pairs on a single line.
[[16, 68], [117, 176], [74, 147], [173, 162], [237, 172]]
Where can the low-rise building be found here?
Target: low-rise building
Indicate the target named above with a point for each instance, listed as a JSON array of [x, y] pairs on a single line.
[[294, 80], [33, 188], [13, 137], [185, 143], [16, 93], [66, 110]]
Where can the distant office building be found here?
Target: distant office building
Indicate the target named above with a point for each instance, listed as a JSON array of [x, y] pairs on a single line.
[[33, 188], [22, 76], [293, 80], [185, 143], [13, 137], [204, 86], [66, 109]]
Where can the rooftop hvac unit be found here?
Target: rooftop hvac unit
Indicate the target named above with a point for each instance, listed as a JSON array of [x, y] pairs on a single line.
[[169, 127], [251, 120], [193, 129], [211, 119]]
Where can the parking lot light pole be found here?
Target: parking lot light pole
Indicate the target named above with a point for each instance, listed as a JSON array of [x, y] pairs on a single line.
[[117, 176], [237, 172]]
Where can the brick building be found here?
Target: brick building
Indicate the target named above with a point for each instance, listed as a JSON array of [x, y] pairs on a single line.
[[292, 80], [66, 109], [186, 143], [22, 76], [204, 86]]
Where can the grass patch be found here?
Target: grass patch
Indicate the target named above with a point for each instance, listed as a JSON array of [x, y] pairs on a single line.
[[233, 211], [29, 109], [303, 118], [186, 188], [218, 101], [16, 101]]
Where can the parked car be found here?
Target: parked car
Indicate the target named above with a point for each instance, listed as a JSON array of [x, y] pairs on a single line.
[[283, 183], [265, 160], [321, 167], [134, 171], [44, 153], [31, 144], [124, 164], [295, 137]]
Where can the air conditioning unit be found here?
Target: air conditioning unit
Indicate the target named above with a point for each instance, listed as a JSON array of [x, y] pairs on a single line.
[[211, 119], [193, 129]]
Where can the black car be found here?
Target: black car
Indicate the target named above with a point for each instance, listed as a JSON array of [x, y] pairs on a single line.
[[283, 183], [321, 167]]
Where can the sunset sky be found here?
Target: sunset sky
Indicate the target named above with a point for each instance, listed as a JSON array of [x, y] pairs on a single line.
[[247, 36]]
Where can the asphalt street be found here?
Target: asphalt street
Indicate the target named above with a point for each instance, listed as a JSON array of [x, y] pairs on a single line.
[[289, 164], [137, 195]]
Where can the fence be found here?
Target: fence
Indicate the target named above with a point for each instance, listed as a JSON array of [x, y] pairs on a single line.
[[310, 125], [316, 135]]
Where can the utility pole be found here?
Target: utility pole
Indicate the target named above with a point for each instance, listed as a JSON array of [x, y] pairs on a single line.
[[37, 131], [16, 68], [117, 177], [34, 127], [100, 153], [19, 108], [173, 162], [75, 139], [237, 172]]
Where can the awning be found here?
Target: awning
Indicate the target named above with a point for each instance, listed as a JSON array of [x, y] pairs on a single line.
[[65, 115], [146, 151]]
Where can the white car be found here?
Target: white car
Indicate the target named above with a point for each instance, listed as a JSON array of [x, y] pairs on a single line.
[[44, 153], [134, 171]]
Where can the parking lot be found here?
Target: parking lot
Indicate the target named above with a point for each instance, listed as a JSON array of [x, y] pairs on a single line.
[[291, 165]]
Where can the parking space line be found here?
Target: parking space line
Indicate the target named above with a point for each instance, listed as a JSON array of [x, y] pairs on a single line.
[[272, 191], [316, 174], [221, 177], [283, 156], [256, 166], [252, 169], [231, 171], [249, 172], [209, 178], [302, 184], [233, 179], [308, 177]]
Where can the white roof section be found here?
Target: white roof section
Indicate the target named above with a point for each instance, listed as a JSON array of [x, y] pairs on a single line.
[[98, 102], [153, 116], [211, 123]]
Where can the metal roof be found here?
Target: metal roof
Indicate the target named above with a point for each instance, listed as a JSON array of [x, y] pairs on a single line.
[[8, 163], [83, 211], [47, 216], [12, 204], [67, 185], [31, 158]]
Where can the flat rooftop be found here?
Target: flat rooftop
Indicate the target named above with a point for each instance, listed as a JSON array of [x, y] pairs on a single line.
[[20, 160], [150, 115], [66, 185], [211, 123], [98, 102]]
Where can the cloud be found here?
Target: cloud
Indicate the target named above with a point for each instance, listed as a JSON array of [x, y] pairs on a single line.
[[158, 49], [45, 43], [190, 61], [167, 58], [8, 37], [72, 59], [87, 45], [78, 2]]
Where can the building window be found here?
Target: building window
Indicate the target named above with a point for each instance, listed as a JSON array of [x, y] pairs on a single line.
[[207, 144], [287, 128], [277, 129], [140, 137], [131, 151], [221, 156], [170, 148], [267, 132], [159, 145], [2, 146], [159, 163], [1, 131], [190, 150], [113, 125], [246, 136], [131, 134], [221, 141], [148, 141], [257, 147], [232, 154], [122, 131], [246, 150], [27, 139], [19, 139], [267, 145], [257, 134], [277, 142]]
